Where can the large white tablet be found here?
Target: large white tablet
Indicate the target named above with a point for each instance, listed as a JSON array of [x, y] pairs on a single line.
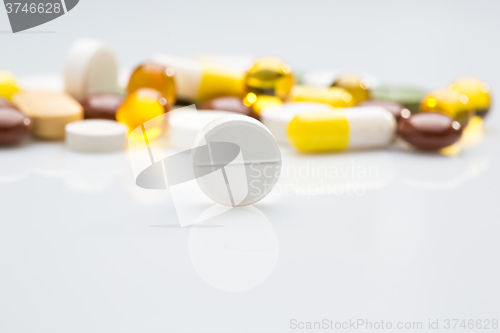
[[249, 173]]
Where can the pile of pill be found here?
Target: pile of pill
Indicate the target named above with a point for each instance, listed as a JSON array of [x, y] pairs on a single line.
[[312, 112]]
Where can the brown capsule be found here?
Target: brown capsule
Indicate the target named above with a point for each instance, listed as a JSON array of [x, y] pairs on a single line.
[[15, 126], [231, 104], [4, 103], [396, 109], [101, 106], [430, 130]]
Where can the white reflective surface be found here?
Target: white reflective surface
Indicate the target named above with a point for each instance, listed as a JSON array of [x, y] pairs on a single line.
[[380, 235]]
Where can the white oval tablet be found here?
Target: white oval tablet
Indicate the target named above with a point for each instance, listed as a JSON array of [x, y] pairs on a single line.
[[185, 125], [277, 117], [96, 135], [91, 67], [249, 177]]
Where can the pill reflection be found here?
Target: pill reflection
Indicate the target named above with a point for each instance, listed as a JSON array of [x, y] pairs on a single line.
[[239, 255]]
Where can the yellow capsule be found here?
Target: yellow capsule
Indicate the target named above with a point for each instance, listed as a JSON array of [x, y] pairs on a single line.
[[449, 102], [356, 85], [154, 76], [336, 97], [8, 85], [477, 91], [269, 76], [141, 106], [348, 128]]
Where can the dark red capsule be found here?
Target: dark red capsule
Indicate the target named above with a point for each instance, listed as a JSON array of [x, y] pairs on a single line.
[[101, 106], [15, 126], [231, 104], [429, 130]]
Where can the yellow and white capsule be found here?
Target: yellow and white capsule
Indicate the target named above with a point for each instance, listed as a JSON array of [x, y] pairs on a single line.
[[349, 128], [198, 81]]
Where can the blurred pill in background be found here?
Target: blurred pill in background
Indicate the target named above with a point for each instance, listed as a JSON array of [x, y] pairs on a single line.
[[276, 118], [429, 130], [15, 126], [269, 76], [341, 129], [261, 102], [356, 85], [96, 136], [154, 76], [8, 85], [49, 111], [448, 102], [334, 96], [141, 106], [409, 96], [477, 91], [101, 106], [230, 104], [395, 108], [197, 81], [4, 103], [91, 68]]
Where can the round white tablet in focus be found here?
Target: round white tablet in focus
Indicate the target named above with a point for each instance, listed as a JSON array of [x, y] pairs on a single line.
[[276, 118], [96, 135], [247, 178]]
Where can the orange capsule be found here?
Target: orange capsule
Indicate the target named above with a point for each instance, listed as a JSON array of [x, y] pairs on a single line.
[[141, 106], [154, 76]]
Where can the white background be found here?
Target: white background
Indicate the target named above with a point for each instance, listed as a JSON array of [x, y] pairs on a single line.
[[83, 250]]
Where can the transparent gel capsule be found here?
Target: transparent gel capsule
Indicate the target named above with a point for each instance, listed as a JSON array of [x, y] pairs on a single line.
[[449, 102], [154, 76], [141, 106], [356, 85], [477, 91], [269, 76]]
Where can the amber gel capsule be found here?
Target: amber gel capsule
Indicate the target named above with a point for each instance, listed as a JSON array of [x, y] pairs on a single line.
[[429, 131], [356, 85], [269, 76], [143, 105], [448, 102], [478, 93], [154, 76]]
